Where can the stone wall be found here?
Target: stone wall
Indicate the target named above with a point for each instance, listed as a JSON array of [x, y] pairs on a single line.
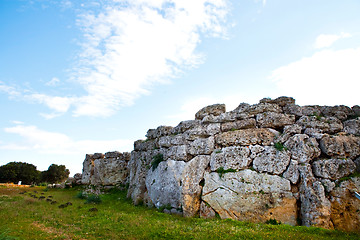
[[271, 160], [109, 169]]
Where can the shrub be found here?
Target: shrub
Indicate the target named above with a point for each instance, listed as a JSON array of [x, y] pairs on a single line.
[[158, 158], [92, 198], [81, 195], [279, 146], [273, 222]]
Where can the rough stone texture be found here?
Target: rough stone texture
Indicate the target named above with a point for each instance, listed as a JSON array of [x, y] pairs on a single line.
[[293, 110], [328, 184], [352, 127], [315, 207], [246, 137], [340, 146], [202, 131], [274, 120], [98, 155], [345, 206], [191, 177], [163, 183], [179, 153], [357, 163], [114, 154], [214, 110], [356, 111], [184, 126], [288, 132], [202, 146], [234, 157], [292, 172], [333, 168], [303, 148], [281, 101], [168, 141], [248, 195], [240, 124], [88, 166], [311, 110], [271, 161], [340, 112], [206, 211], [326, 125]]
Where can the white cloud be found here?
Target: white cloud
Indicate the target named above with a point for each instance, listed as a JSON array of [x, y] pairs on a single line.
[[57, 143], [53, 82], [326, 40], [129, 49], [328, 77]]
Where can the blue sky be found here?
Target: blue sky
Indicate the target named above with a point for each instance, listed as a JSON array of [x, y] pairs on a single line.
[[80, 77]]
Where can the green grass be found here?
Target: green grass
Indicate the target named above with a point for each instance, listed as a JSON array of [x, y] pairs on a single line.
[[221, 171], [25, 217], [279, 146]]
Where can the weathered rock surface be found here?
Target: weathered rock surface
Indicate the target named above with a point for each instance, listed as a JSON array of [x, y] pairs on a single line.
[[333, 168], [246, 137], [240, 124], [214, 110], [345, 206], [235, 157], [341, 146], [292, 172], [191, 189], [315, 207], [248, 195], [274, 120], [352, 127], [163, 183], [303, 148], [271, 161]]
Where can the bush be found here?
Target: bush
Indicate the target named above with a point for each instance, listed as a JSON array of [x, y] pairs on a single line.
[[92, 198], [273, 222], [157, 159], [81, 195], [279, 146]]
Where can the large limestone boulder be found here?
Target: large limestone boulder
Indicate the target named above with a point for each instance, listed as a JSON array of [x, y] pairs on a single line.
[[214, 110], [163, 184], [88, 169], [111, 171], [340, 112], [325, 124], [341, 146], [202, 146], [240, 124], [352, 126], [274, 120], [271, 160], [345, 206], [235, 157], [191, 178], [250, 196], [292, 172], [281, 101], [303, 148], [333, 168], [139, 165], [315, 207], [245, 137], [202, 131]]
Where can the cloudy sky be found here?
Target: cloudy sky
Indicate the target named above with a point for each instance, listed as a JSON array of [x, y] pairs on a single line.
[[80, 76]]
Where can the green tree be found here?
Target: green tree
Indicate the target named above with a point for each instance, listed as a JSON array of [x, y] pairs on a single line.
[[55, 174], [19, 171]]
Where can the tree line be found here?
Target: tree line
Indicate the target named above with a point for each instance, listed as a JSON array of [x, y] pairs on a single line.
[[27, 173]]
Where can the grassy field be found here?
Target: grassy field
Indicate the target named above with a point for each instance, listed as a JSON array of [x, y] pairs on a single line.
[[22, 216]]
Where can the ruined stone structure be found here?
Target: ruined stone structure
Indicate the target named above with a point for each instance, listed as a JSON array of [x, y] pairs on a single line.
[[271, 160]]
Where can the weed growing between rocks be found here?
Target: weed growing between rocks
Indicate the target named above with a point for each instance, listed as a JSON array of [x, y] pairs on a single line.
[[92, 198], [221, 171], [158, 158], [279, 146], [273, 222]]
